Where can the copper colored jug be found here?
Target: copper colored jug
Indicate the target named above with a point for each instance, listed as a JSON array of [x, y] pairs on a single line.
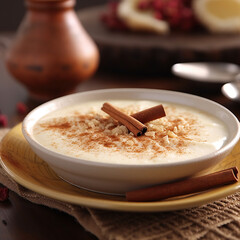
[[52, 53]]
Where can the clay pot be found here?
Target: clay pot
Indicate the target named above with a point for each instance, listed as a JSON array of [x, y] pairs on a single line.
[[52, 53]]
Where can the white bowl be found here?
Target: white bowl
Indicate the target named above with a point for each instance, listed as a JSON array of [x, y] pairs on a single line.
[[120, 178]]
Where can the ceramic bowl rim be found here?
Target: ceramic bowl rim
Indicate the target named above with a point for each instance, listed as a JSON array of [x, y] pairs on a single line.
[[36, 145]]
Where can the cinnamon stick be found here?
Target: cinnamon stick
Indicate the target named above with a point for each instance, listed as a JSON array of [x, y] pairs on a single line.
[[132, 124], [150, 114], [183, 187]]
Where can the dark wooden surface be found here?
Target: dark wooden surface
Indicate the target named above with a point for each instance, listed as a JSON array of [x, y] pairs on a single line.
[[22, 220]]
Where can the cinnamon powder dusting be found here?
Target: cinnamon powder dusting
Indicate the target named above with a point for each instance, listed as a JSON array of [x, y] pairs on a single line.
[[91, 132]]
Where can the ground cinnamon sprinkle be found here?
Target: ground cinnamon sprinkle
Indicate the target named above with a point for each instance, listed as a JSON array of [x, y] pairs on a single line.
[[89, 131]]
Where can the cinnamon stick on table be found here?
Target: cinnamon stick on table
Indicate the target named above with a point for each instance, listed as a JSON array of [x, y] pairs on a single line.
[[183, 187], [132, 124], [150, 114]]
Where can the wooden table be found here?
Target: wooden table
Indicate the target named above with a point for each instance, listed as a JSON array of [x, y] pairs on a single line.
[[22, 220]]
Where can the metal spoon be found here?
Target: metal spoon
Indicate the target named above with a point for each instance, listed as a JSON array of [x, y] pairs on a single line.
[[217, 72], [232, 90]]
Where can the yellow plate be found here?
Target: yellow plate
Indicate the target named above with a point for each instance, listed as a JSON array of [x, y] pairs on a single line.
[[27, 169]]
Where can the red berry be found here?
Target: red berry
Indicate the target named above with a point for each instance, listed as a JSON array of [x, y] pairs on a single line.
[[178, 13], [144, 4], [3, 120], [111, 19], [173, 13], [22, 108], [158, 15], [159, 5], [174, 4], [113, 7]]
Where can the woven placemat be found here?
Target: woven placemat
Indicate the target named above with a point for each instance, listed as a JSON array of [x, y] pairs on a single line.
[[217, 220]]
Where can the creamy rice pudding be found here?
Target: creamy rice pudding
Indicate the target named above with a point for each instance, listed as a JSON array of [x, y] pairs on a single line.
[[84, 131]]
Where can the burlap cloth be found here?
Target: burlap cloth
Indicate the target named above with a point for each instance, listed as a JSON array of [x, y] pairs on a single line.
[[217, 220]]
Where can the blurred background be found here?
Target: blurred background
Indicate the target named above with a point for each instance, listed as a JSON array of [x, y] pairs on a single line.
[[12, 11]]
